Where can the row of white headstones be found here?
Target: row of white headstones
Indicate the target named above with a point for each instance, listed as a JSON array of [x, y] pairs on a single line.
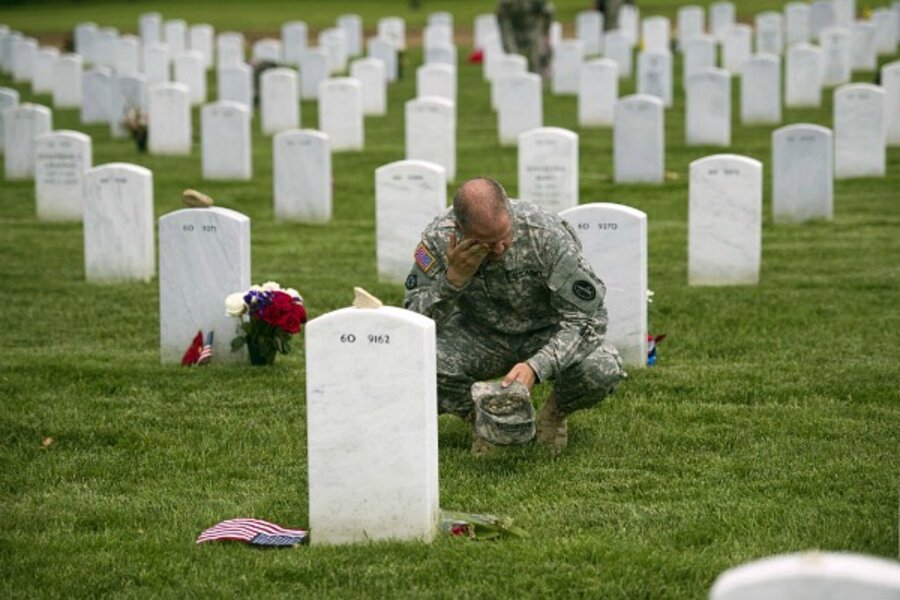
[[205, 254]]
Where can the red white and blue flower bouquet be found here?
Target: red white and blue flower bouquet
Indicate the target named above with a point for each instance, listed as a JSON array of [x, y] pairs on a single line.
[[273, 316]]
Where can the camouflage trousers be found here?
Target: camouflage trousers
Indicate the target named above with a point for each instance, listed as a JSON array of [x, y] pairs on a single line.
[[467, 353]]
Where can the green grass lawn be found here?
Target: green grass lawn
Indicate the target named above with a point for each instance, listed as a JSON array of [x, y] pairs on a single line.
[[771, 423]]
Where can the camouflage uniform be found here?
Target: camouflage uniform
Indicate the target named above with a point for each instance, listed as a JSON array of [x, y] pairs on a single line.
[[540, 304], [525, 30]]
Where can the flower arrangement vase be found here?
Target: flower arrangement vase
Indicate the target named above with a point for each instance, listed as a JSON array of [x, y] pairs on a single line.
[[262, 352]]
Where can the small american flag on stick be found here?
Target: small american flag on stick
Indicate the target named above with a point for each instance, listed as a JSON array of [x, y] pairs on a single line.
[[206, 351], [254, 531]]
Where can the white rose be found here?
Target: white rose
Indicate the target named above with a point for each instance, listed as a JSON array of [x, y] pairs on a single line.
[[234, 305], [271, 286], [294, 294]]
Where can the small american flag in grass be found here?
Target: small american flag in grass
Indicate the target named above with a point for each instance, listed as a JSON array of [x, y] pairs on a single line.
[[254, 531], [206, 351]]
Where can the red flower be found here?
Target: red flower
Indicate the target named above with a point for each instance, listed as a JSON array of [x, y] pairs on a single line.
[[284, 312]]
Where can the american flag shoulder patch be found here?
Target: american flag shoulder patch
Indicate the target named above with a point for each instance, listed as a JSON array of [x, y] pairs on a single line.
[[424, 259]]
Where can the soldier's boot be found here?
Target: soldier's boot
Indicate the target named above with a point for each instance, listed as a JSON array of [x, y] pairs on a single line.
[[480, 446], [551, 426]]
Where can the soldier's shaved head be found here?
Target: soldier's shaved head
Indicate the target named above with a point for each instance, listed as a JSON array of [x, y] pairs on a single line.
[[480, 202]]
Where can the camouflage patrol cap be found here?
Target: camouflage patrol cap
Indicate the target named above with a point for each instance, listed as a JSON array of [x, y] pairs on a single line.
[[503, 416]]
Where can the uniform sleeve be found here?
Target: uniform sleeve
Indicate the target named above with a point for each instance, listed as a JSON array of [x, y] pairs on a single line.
[[577, 294], [427, 290]]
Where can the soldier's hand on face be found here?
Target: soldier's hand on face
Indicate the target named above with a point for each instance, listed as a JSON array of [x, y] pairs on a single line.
[[520, 372], [463, 259]]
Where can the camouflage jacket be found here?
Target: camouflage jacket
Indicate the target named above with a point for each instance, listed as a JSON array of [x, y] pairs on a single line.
[[541, 281]]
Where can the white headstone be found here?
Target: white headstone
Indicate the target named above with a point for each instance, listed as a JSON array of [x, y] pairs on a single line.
[[567, 60], [436, 80], [844, 12], [190, 71], [385, 51], [334, 42], [294, 40], [437, 35], [655, 75], [96, 89], [225, 141], [150, 27], [61, 160], [629, 22], [863, 52], [802, 173], [352, 26], [371, 75], [589, 29], [708, 108], [859, 132], [431, 132], [44, 65], [267, 50], [690, 21], [699, 54], [372, 426], [302, 175], [24, 51], [655, 33], [313, 71], [84, 39], [127, 62], [761, 90], [67, 74], [890, 81], [810, 576], [619, 48], [598, 92], [721, 18], [229, 49], [441, 18], [104, 47], [9, 98], [769, 33], [724, 220], [118, 223], [486, 28], [22, 124], [444, 54], [393, 29], [204, 255], [175, 36], [409, 194], [639, 140], [737, 44], [340, 113], [803, 83], [492, 53], [797, 23], [168, 119], [836, 57], [614, 242], [504, 66], [887, 32], [548, 168], [821, 15], [156, 63], [279, 105], [128, 94], [201, 40], [520, 106], [7, 46], [235, 84]]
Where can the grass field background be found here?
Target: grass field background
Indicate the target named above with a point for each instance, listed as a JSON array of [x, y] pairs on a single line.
[[771, 423]]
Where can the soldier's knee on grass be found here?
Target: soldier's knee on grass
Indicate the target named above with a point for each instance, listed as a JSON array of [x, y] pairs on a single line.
[[587, 383]]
